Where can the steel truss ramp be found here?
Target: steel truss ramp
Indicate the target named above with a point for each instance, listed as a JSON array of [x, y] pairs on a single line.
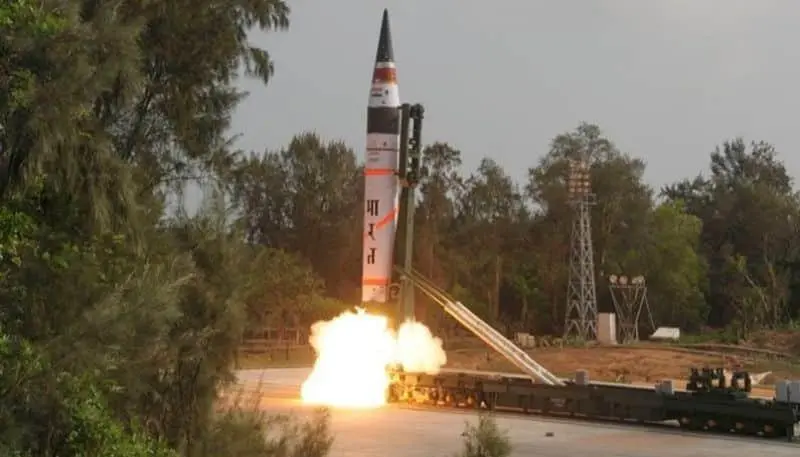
[[484, 331]]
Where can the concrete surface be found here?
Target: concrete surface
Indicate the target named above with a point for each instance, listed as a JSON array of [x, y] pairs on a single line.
[[401, 432]]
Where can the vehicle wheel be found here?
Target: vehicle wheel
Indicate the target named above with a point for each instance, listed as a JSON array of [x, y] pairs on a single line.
[[470, 401], [770, 430], [691, 423]]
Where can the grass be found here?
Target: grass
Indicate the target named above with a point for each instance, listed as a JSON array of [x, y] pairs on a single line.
[[721, 336]]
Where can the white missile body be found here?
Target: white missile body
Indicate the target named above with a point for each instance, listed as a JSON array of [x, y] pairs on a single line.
[[381, 186]]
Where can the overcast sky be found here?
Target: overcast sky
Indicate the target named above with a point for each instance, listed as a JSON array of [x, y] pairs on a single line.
[[666, 80]]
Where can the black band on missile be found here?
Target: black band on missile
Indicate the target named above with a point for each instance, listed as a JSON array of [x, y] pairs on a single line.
[[383, 120]]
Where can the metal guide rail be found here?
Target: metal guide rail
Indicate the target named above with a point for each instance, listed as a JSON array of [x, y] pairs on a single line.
[[704, 406], [484, 331]]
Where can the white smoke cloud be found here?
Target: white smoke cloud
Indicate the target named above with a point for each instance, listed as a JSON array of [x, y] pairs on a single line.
[[416, 349]]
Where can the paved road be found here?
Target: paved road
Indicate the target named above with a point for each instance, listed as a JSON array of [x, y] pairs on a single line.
[[401, 432]]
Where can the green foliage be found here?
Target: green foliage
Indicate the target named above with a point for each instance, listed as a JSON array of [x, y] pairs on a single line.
[[727, 335], [50, 412], [15, 229], [485, 439], [29, 16], [667, 255], [749, 213], [306, 199], [275, 436], [117, 316], [28, 21], [95, 433], [285, 292]]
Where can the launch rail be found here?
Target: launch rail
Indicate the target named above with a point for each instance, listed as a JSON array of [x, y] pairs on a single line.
[[484, 331]]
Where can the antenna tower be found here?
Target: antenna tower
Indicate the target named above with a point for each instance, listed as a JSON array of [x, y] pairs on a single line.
[[581, 314]]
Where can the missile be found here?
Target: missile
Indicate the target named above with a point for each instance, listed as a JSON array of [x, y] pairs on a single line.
[[381, 187]]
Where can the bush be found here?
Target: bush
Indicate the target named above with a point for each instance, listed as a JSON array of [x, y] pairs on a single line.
[[243, 433], [46, 412], [485, 439], [240, 429]]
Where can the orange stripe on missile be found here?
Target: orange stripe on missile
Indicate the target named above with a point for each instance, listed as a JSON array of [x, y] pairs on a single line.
[[375, 281], [378, 171], [384, 220], [384, 75]]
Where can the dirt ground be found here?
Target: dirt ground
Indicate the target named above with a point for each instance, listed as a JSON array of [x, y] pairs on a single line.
[[625, 364], [603, 364]]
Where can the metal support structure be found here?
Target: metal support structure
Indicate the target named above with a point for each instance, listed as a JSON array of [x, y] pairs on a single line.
[[630, 299], [581, 310], [482, 330], [411, 117]]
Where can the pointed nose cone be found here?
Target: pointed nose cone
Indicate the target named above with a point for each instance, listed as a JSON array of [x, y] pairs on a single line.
[[385, 52]]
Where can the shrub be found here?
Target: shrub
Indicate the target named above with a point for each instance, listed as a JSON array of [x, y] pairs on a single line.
[[485, 439]]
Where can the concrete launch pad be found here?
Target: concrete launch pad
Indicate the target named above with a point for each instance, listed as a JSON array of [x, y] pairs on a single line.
[[395, 431]]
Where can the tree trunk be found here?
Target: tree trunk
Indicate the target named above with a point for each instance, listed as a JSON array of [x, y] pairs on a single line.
[[498, 265], [432, 256], [524, 317]]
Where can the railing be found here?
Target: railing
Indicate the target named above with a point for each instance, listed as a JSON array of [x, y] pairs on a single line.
[[482, 330]]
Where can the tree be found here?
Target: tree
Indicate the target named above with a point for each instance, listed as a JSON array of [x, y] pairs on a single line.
[[440, 184], [487, 214], [439, 187], [283, 290], [173, 126], [135, 319], [668, 256], [43, 415], [306, 198], [749, 213], [58, 60]]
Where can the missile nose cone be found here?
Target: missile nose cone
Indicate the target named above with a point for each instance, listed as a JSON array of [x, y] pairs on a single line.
[[385, 52]]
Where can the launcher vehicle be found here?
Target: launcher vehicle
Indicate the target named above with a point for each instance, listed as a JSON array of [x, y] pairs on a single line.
[[707, 403]]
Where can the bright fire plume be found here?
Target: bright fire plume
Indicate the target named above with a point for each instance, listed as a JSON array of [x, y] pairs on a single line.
[[353, 352]]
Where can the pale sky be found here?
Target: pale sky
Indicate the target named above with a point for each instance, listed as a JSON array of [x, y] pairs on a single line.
[[667, 80]]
